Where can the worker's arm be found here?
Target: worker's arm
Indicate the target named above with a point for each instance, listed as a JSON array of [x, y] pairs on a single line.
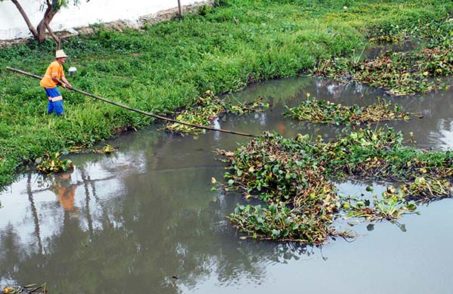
[[66, 84]]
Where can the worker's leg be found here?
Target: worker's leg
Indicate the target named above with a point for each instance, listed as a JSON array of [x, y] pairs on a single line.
[[58, 107], [55, 103], [49, 107]]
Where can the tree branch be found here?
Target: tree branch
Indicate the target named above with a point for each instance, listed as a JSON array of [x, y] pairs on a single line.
[[54, 37], [32, 29]]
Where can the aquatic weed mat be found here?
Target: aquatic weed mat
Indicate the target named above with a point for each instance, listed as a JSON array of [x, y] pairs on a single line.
[[402, 73], [323, 111], [292, 177], [399, 73], [27, 289], [209, 108]]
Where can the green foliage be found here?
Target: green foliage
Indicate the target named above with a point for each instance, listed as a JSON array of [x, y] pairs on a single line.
[[30, 288], [207, 109], [52, 163], [296, 173], [279, 222], [390, 207], [402, 73], [322, 111], [427, 189]]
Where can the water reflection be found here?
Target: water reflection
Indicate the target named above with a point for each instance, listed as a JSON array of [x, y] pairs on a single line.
[[156, 224], [145, 220]]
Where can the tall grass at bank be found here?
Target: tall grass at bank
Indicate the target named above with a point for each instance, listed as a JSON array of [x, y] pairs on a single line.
[[166, 66]]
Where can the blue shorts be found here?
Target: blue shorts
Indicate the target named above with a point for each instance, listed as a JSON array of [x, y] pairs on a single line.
[[55, 99]]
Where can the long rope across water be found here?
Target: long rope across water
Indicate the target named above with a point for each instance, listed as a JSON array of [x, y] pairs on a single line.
[[137, 110]]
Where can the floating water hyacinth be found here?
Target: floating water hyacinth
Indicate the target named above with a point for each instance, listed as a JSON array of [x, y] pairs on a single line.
[[292, 177], [52, 163], [402, 73], [323, 111], [209, 107]]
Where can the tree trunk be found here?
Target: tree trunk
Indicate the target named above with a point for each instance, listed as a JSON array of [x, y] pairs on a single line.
[[39, 33], [179, 8], [27, 20], [44, 23]]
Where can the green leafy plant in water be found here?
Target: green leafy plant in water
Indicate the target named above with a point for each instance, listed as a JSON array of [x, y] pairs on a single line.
[[322, 111], [52, 163], [387, 39], [391, 206], [279, 222], [427, 189], [210, 107], [296, 173], [107, 149], [202, 113], [27, 289], [239, 108], [402, 73]]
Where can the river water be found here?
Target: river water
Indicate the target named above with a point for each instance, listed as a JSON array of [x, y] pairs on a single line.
[[144, 220]]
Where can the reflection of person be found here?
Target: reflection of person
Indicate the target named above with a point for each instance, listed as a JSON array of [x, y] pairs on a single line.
[[53, 77], [65, 191], [281, 127]]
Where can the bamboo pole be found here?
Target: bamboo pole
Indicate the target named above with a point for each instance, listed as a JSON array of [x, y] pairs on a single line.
[[137, 110]]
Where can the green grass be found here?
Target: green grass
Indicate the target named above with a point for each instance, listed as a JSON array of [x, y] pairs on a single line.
[[166, 66]]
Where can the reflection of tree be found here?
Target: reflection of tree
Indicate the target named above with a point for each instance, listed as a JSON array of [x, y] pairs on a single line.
[[34, 212]]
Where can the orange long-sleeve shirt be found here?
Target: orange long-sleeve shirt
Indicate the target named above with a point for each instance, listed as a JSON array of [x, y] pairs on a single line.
[[54, 71]]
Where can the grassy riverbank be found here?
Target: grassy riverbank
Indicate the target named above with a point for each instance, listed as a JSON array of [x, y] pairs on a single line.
[[166, 66]]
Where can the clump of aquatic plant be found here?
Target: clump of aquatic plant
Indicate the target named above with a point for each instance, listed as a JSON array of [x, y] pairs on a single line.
[[239, 108], [277, 221], [407, 73], [52, 163], [27, 289], [387, 39], [380, 154], [427, 189], [401, 73], [208, 108], [391, 206], [297, 172], [434, 33], [275, 175], [205, 110], [323, 111], [269, 170], [107, 149]]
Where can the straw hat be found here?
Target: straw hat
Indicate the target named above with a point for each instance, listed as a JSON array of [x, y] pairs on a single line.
[[60, 54]]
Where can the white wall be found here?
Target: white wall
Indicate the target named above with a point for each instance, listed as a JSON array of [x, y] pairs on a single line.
[[95, 11]]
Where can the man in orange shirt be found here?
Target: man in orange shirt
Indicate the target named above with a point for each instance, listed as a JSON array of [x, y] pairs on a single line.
[[55, 76]]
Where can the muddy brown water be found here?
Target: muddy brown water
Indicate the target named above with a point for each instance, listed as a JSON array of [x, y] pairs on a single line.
[[144, 220]]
